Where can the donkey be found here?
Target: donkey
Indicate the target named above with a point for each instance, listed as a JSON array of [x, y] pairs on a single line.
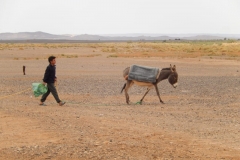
[[166, 73]]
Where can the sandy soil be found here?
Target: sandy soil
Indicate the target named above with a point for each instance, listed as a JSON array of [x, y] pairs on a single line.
[[200, 120]]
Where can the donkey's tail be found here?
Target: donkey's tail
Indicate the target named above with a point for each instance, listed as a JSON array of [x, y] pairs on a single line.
[[123, 87]]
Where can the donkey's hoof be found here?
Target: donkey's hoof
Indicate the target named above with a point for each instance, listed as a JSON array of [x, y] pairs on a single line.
[[162, 102]]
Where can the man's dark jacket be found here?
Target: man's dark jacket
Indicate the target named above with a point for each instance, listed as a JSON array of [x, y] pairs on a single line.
[[49, 76]]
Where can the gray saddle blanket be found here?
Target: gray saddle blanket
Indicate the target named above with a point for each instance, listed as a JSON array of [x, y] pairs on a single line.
[[143, 73]]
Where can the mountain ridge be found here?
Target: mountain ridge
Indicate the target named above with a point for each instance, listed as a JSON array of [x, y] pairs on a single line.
[[111, 37]]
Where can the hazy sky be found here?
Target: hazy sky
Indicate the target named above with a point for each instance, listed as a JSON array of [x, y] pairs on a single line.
[[120, 16]]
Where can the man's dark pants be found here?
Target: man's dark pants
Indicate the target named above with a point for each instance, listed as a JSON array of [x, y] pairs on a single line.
[[51, 89]]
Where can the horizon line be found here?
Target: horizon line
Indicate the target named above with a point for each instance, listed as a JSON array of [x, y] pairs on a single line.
[[125, 33]]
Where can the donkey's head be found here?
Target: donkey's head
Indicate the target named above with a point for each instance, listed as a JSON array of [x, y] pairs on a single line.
[[173, 77]]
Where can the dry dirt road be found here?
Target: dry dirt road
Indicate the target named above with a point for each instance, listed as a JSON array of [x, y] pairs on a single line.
[[200, 120]]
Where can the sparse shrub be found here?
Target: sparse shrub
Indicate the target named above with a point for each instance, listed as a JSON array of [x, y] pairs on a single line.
[[105, 50], [113, 56]]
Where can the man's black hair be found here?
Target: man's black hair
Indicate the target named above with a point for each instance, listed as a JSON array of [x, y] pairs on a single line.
[[51, 58]]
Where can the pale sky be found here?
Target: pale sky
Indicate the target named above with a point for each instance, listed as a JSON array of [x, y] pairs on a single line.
[[120, 16]]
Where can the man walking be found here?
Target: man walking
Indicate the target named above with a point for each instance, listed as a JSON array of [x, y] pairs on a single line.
[[49, 79]]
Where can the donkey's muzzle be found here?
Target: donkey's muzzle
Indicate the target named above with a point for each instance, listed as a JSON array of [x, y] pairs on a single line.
[[175, 85]]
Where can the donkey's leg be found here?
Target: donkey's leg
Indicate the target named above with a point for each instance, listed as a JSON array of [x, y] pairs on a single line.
[[156, 87], [128, 85], [148, 89]]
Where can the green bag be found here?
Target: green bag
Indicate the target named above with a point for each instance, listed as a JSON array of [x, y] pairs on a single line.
[[39, 89]]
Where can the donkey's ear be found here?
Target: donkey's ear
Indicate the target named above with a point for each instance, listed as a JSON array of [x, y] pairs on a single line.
[[171, 68], [174, 68]]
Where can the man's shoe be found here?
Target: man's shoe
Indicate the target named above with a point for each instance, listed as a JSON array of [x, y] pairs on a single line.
[[42, 104], [61, 103]]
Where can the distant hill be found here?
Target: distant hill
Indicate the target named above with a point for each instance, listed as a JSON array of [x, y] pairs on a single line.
[[116, 37], [203, 37], [29, 35]]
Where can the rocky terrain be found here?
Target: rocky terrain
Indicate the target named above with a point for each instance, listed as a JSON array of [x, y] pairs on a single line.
[[200, 120]]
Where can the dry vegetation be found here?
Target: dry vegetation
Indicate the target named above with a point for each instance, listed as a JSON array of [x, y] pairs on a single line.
[[223, 49], [180, 49], [193, 49]]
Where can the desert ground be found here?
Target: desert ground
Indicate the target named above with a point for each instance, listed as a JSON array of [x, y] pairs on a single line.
[[199, 120]]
